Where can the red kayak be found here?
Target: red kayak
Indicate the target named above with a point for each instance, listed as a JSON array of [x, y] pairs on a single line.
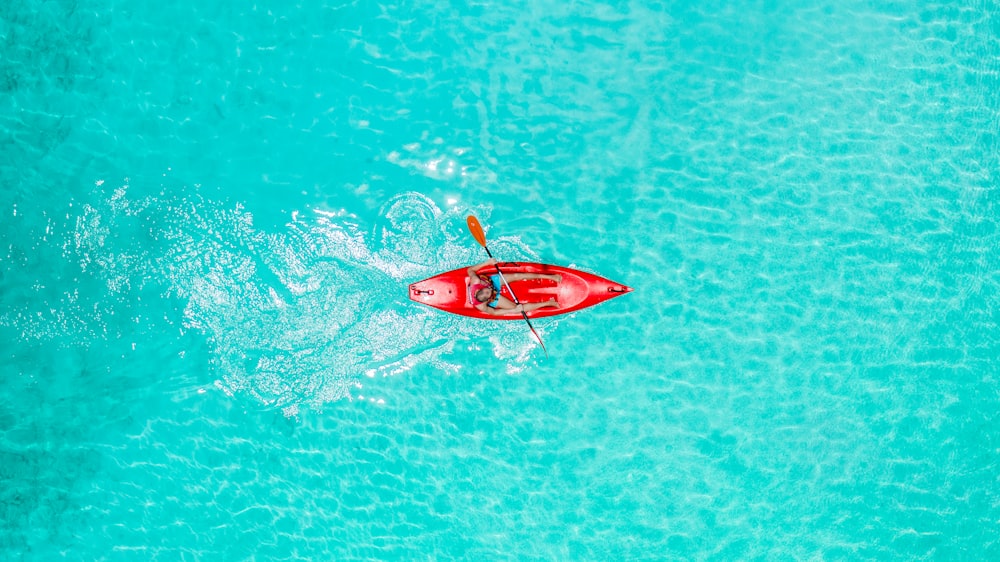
[[449, 291]]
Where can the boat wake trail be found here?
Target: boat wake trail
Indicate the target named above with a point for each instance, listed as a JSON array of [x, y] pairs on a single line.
[[298, 317]]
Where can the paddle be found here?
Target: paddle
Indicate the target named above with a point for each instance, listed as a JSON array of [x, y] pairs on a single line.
[[477, 232]]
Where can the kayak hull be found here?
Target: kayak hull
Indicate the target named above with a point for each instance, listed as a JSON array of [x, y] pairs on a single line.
[[449, 291]]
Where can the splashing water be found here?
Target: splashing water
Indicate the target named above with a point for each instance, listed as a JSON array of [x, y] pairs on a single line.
[[300, 316]]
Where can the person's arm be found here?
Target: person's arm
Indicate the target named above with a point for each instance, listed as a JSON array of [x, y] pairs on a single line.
[[499, 311], [472, 270]]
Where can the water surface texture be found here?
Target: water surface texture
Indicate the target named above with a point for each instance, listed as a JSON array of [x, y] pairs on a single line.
[[209, 215]]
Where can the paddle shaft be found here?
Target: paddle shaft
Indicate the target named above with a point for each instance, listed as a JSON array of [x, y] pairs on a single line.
[[504, 279]]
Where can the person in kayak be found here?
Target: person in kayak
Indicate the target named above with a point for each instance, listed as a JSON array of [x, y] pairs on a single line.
[[485, 291]]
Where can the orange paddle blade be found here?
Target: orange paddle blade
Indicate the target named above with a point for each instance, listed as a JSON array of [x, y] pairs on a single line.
[[477, 230]]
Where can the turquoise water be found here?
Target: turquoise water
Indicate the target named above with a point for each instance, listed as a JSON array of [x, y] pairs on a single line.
[[210, 216]]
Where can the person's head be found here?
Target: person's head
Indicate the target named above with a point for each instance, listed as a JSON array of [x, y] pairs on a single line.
[[484, 294]]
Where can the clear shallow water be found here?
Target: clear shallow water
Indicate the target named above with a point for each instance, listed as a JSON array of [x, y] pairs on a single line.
[[210, 216]]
